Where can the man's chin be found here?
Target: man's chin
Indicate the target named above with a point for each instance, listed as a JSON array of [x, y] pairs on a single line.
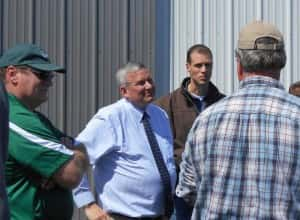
[[149, 99], [203, 82]]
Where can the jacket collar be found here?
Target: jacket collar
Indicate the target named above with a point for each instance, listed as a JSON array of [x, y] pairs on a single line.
[[212, 92]]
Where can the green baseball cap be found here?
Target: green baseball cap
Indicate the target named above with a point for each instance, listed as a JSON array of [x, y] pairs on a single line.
[[29, 55]]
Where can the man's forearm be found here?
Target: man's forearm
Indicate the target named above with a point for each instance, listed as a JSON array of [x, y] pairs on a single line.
[[71, 173], [80, 155], [81, 159]]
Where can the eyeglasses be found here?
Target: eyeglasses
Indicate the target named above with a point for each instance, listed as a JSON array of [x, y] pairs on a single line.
[[140, 83], [42, 75]]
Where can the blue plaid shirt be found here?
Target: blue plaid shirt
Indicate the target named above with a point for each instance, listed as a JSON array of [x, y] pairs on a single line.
[[242, 155]]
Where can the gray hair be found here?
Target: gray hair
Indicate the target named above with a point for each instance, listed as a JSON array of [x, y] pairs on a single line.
[[123, 71], [262, 60]]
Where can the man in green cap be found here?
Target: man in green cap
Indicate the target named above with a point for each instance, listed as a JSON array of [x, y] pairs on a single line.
[[43, 165]]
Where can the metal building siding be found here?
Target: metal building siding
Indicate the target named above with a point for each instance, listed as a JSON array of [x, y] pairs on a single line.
[[294, 39], [162, 46], [109, 33], [48, 32], [92, 39], [217, 24], [28, 21], [81, 43], [16, 20]]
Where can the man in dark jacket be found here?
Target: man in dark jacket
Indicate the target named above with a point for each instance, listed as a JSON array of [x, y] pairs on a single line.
[[185, 103]]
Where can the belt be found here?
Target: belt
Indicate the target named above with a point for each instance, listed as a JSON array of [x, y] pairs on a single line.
[[116, 216]]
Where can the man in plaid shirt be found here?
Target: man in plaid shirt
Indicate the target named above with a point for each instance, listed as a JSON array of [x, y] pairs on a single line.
[[242, 156]]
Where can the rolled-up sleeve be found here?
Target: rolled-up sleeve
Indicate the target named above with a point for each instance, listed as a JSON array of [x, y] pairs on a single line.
[[82, 194], [99, 139]]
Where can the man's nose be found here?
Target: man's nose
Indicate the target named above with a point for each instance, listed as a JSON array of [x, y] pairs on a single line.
[[148, 84], [203, 68]]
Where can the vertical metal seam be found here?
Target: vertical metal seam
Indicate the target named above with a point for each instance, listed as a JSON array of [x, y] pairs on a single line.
[[259, 10], [96, 99], [1, 25], [33, 28], [65, 121], [128, 31], [162, 45], [230, 58], [172, 45], [202, 22], [288, 41]]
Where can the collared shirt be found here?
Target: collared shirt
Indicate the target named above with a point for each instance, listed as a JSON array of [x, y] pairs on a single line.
[[126, 176], [199, 101], [35, 153], [242, 156]]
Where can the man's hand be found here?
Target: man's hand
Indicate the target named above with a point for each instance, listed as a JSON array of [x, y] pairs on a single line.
[[68, 142], [94, 212]]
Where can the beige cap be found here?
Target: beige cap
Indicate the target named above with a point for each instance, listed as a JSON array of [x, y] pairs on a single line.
[[255, 30]]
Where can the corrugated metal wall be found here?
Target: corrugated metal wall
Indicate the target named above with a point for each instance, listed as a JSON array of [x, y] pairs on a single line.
[[216, 23], [92, 38]]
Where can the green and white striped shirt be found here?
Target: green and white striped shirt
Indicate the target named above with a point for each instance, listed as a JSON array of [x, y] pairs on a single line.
[[35, 153]]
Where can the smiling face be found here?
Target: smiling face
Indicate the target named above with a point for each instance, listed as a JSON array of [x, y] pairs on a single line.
[[199, 68], [139, 88]]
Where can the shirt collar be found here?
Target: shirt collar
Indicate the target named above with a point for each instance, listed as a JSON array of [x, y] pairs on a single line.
[[200, 98], [260, 81], [137, 112]]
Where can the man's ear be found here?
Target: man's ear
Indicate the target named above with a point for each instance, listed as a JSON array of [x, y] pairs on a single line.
[[240, 69], [11, 75], [123, 91], [188, 67]]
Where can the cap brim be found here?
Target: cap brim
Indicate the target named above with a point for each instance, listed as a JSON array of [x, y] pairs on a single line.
[[48, 67]]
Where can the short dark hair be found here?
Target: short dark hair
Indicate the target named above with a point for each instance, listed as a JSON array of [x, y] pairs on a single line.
[[199, 48]]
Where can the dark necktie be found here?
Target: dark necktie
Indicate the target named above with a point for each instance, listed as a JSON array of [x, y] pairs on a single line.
[[161, 166]]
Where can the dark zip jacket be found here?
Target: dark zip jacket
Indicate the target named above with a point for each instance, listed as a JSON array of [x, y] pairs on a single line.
[[182, 111]]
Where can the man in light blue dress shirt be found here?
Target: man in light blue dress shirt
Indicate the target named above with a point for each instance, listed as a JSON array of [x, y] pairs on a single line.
[[127, 180]]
